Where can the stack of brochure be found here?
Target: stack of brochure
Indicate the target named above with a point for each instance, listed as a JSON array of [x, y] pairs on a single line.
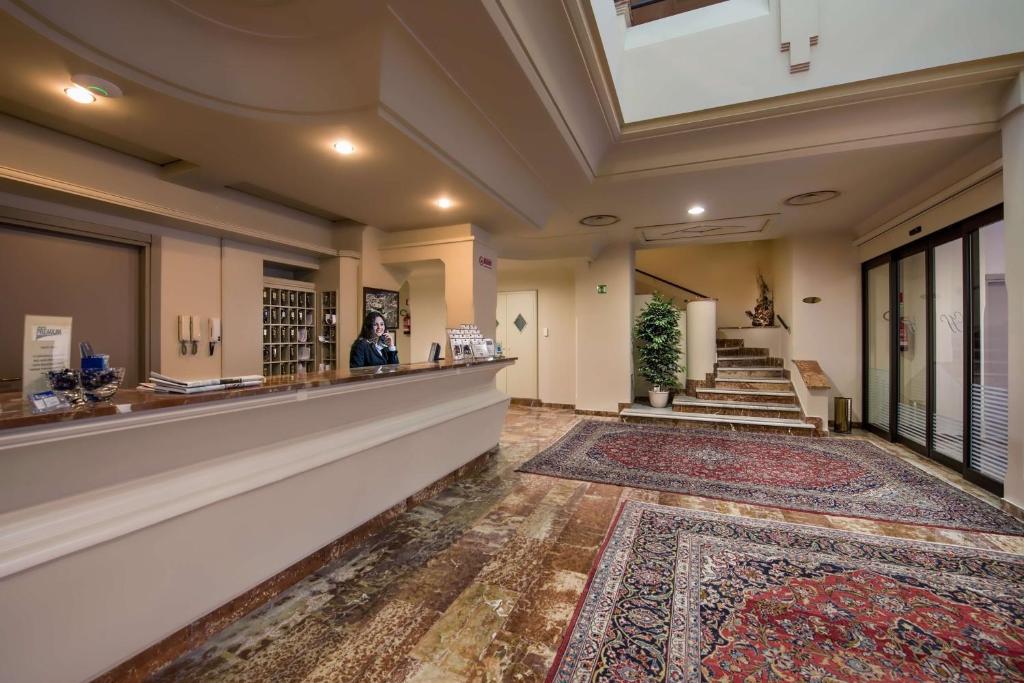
[[165, 384]]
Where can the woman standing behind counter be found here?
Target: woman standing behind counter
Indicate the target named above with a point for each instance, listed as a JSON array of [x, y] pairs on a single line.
[[374, 346]]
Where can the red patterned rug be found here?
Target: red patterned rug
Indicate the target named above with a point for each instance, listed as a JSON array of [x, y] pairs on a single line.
[[682, 595], [846, 477]]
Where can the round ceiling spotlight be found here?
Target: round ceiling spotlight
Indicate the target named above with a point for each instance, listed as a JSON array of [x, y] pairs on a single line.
[[599, 220], [80, 94], [808, 198], [444, 203], [344, 147], [100, 87], [695, 210]]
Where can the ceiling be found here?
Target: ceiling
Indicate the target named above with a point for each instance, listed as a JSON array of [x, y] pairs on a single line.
[[500, 105]]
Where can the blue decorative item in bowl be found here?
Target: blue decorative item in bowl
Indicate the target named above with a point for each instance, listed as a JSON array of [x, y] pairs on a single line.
[[101, 385], [66, 384]]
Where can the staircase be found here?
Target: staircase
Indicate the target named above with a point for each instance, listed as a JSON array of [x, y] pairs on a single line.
[[749, 392]]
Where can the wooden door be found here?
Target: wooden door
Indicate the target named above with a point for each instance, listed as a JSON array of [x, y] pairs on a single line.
[[517, 334]]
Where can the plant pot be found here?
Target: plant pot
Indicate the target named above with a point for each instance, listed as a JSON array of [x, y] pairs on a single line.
[[658, 399]]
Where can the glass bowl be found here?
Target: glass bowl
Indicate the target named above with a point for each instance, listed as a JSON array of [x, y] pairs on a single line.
[[66, 384], [101, 385]]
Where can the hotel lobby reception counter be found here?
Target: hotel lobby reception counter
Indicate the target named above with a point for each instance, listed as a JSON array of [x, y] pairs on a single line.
[[120, 526]]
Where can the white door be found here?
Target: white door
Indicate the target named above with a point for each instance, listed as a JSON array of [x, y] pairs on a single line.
[[517, 334]]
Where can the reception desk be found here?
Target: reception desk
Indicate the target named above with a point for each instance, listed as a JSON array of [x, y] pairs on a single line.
[[122, 525]]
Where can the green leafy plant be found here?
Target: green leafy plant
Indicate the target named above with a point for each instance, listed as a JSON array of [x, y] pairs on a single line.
[[656, 333]]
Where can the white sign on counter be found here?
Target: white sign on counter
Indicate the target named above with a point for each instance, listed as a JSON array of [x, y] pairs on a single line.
[[47, 347]]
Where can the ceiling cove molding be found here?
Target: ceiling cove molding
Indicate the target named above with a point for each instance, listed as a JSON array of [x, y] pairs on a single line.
[[927, 80], [40, 24], [469, 98], [413, 133], [803, 150], [191, 220], [516, 45], [982, 175]]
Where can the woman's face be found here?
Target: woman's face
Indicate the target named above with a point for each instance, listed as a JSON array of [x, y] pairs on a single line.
[[378, 326]]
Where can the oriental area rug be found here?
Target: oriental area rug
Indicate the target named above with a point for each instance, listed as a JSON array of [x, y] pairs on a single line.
[[845, 477], [684, 595]]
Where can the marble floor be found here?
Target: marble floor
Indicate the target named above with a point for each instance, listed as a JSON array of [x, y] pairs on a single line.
[[476, 584]]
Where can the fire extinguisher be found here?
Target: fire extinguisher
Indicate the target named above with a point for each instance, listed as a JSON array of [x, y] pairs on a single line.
[[406, 322], [904, 335]]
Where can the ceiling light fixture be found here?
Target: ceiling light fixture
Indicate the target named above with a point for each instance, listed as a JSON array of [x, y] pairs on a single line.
[[80, 94], [94, 86], [599, 220], [444, 203], [816, 197], [344, 147], [695, 210]]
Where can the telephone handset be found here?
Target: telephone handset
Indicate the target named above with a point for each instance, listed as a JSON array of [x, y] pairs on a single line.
[[188, 334]]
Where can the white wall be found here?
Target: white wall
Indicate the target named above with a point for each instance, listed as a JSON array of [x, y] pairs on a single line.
[[662, 75], [556, 311], [1013, 181]]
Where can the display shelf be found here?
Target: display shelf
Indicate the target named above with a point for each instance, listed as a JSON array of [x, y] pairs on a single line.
[[328, 337], [289, 327]]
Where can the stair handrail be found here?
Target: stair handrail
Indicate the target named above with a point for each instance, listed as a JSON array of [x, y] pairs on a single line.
[[673, 284]]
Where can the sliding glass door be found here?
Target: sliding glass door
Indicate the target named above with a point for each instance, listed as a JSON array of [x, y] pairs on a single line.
[[989, 349], [912, 361], [876, 358], [935, 347]]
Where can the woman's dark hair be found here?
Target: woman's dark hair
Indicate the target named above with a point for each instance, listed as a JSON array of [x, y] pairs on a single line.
[[368, 320]]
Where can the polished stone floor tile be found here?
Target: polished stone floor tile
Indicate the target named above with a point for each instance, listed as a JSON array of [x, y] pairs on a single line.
[[478, 583]]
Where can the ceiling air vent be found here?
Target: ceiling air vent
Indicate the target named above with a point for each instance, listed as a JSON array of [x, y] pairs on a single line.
[[816, 197], [599, 220]]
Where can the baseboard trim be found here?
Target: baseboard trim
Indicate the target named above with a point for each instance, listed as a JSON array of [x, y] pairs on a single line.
[[597, 413], [147, 662], [1012, 509], [537, 403]]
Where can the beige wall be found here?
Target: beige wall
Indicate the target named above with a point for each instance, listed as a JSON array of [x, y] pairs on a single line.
[[189, 284], [1013, 182], [556, 311], [429, 315], [727, 272], [603, 330], [829, 331]]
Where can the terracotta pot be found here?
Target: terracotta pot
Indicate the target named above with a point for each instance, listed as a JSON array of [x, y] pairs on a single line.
[[658, 399]]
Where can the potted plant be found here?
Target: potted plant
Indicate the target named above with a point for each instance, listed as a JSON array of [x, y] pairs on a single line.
[[656, 334]]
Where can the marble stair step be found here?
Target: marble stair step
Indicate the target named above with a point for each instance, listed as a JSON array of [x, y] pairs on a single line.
[[642, 413], [733, 359], [702, 403], [748, 380], [740, 351], [747, 395]]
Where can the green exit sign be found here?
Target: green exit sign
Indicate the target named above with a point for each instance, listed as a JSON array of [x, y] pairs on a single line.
[[602, 289]]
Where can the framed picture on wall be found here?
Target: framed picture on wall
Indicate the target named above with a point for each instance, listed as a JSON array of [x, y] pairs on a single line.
[[384, 301]]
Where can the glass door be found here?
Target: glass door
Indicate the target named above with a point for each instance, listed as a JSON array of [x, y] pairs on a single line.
[[947, 415], [877, 366], [935, 370], [912, 344], [989, 350]]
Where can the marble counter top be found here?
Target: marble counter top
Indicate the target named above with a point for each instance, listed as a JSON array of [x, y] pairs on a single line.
[[15, 412]]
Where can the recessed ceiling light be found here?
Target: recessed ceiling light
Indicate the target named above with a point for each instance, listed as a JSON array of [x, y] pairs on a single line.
[[599, 220], [816, 197], [95, 86], [695, 210], [444, 202], [344, 147], [80, 94]]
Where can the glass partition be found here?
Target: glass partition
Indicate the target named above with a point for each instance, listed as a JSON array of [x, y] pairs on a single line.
[[948, 414], [912, 388], [877, 356], [990, 345]]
